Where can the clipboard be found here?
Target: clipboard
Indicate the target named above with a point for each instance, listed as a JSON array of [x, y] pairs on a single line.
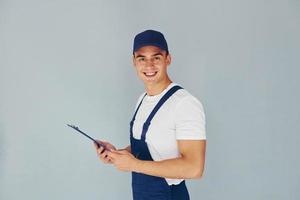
[[86, 135]]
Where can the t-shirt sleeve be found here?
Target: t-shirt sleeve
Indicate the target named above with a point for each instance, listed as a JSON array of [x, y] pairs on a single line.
[[190, 120]]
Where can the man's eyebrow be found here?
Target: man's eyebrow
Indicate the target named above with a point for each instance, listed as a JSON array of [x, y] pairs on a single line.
[[140, 56], [158, 54]]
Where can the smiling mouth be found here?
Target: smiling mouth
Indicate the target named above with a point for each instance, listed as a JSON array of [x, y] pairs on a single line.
[[150, 74]]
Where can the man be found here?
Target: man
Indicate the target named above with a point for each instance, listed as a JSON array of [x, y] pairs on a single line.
[[167, 132]]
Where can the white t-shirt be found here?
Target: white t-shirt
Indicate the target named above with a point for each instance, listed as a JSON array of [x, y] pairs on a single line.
[[181, 117]]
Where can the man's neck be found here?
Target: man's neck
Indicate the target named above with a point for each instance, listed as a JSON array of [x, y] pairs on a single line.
[[155, 89]]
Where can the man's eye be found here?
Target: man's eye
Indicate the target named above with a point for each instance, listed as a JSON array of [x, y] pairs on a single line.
[[141, 59], [157, 58]]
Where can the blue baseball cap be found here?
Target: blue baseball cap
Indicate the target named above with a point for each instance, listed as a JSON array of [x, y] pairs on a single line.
[[150, 38]]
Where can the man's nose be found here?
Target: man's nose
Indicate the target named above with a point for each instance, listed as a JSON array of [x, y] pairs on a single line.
[[149, 63]]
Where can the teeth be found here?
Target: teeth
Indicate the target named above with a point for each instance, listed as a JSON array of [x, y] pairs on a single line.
[[150, 74]]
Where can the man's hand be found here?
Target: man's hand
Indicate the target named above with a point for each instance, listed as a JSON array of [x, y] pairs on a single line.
[[123, 160], [102, 153]]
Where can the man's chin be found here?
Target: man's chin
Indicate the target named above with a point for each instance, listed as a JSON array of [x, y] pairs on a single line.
[[146, 79], [149, 81]]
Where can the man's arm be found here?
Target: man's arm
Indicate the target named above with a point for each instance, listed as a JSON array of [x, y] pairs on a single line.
[[128, 148], [189, 165]]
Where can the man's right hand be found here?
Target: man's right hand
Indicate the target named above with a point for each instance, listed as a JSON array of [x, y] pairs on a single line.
[[102, 153]]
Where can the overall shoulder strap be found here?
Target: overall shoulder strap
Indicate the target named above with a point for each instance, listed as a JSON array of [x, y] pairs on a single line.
[[156, 108], [137, 109]]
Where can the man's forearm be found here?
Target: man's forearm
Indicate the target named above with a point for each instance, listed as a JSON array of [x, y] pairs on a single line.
[[178, 168], [128, 148]]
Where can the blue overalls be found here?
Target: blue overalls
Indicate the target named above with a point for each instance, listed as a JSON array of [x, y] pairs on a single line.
[[146, 187]]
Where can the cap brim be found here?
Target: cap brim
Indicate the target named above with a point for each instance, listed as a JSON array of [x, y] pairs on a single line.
[[149, 44]]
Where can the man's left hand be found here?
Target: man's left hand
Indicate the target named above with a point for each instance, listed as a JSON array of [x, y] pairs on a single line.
[[123, 160]]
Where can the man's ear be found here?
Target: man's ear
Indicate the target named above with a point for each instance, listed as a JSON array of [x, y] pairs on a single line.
[[133, 60], [169, 59]]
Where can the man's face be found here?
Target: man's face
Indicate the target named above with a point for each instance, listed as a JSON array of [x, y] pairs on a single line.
[[151, 64]]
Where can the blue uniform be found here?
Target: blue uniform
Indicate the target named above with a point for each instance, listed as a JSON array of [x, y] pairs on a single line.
[[146, 187]]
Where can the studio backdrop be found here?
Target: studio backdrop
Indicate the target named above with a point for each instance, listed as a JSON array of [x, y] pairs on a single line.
[[71, 62]]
